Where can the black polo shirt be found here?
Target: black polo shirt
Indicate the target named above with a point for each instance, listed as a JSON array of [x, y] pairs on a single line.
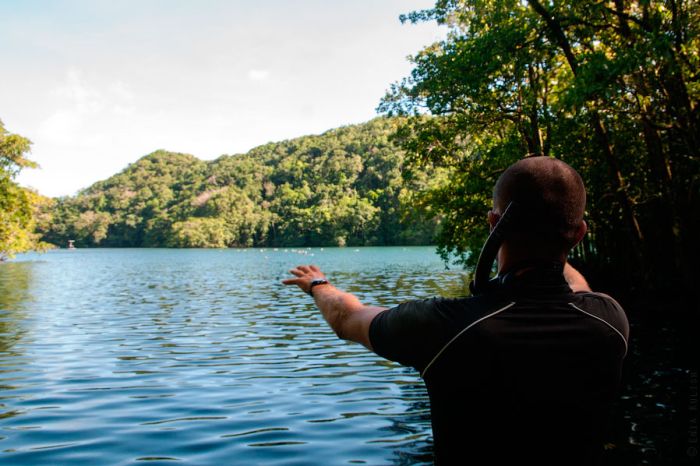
[[522, 375]]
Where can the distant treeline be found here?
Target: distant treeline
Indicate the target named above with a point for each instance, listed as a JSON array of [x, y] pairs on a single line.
[[343, 187]]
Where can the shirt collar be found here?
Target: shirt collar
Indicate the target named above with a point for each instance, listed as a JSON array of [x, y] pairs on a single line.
[[536, 278]]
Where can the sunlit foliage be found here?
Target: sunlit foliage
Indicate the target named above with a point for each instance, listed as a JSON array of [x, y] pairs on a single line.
[[609, 87], [17, 205], [343, 187]]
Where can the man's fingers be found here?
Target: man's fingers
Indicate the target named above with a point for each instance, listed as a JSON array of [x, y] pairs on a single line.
[[300, 270], [308, 268]]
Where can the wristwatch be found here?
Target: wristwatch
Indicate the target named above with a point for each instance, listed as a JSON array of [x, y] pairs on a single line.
[[314, 282]]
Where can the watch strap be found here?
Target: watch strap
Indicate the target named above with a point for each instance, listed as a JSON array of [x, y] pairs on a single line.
[[314, 282]]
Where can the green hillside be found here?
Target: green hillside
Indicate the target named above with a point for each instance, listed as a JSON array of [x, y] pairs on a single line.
[[343, 187]]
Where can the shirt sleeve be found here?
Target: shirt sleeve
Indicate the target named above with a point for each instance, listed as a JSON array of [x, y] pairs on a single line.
[[408, 333]]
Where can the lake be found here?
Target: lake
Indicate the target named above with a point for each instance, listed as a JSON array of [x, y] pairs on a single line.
[[125, 356]]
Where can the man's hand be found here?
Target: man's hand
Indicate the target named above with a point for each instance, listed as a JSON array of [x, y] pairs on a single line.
[[305, 275], [347, 316]]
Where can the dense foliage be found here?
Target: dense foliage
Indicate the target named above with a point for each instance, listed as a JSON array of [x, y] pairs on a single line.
[[610, 87], [343, 187], [17, 205]]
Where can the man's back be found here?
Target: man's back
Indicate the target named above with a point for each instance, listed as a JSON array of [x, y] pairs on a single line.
[[525, 373]]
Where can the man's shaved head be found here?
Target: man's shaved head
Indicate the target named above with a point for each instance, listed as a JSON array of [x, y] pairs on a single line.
[[552, 196]]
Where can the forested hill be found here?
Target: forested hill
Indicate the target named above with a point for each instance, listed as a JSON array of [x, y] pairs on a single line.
[[343, 187]]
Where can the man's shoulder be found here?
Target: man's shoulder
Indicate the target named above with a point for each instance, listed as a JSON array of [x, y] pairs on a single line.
[[597, 296], [414, 331], [599, 304], [454, 311], [604, 308]]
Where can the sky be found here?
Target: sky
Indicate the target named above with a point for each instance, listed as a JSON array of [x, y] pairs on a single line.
[[96, 85]]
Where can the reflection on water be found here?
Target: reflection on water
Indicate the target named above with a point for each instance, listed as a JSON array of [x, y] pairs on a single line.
[[123, 356], [654, 418], [15, 284]]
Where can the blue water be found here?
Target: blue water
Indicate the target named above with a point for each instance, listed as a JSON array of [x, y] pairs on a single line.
[[125, 356]]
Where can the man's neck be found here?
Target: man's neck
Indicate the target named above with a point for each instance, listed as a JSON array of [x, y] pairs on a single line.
[[508, 258]]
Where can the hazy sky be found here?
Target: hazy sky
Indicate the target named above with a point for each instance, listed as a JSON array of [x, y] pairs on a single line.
[[98, 84]]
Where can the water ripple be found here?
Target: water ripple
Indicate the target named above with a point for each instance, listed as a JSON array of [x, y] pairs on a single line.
[[203, 357]]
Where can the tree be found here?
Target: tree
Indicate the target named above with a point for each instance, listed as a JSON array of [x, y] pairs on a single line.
[[200, 232], [17, 204], [341, 187], [609, 87]]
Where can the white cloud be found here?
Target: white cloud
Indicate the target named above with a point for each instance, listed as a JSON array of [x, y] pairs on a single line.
[[84, 110], [96, 85], [258, 75], [60, 127]]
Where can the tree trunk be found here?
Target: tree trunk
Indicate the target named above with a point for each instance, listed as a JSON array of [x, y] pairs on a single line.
[[556, 33]]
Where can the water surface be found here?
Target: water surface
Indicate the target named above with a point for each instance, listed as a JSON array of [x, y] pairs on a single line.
[[201, 356]]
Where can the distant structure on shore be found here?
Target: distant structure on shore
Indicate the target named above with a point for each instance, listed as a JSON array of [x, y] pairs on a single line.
[[70, 244]]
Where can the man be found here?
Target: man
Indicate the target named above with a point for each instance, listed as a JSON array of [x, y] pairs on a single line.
[[523, 373]]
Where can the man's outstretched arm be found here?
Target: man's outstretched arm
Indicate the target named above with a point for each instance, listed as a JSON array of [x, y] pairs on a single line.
[[346, 315]]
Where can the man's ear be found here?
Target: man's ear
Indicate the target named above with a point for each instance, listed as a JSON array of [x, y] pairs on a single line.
[[493, 219], [580, 232]]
